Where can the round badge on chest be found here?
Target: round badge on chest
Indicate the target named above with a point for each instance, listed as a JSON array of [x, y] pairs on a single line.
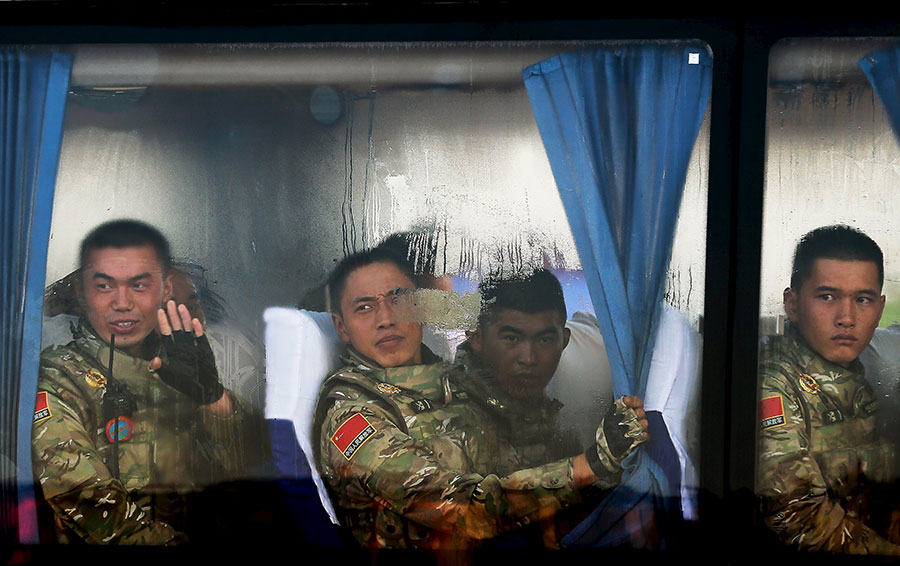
[[809, 384], [95, 379], [125, 431]]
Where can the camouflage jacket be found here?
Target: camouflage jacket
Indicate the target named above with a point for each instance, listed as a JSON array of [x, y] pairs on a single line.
[[167, 446], [531, 426], [819, 452], [408, 460]]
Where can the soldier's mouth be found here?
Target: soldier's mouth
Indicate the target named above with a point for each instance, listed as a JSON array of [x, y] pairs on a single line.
[[391, 340], [527, 378], [123, 325], [845, 339]]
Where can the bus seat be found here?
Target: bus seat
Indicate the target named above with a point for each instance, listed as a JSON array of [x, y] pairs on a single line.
[[302, 349]]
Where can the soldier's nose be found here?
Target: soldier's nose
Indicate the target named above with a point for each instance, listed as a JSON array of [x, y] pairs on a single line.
[[122, 300], [846, 316]]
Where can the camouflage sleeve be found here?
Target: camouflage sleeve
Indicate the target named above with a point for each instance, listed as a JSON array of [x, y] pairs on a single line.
[[795, 500], [237, 442], [79, 488], [430, 482]]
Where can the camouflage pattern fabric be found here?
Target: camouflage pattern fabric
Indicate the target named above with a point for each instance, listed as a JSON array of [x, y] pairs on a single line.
[[532, 429], [819, 453], [409, 460], [168, 448], [531, 426]]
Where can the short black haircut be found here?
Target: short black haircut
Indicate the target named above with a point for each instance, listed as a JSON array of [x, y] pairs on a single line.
[[530, 292], [127, 234], [337, 281], [839, 242]]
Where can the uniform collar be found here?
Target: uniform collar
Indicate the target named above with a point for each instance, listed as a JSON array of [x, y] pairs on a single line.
[[813, 362], [352, 357], [428, 378], [88, 341]]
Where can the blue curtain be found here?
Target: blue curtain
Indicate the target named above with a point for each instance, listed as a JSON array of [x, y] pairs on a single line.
[[882, 68], [618, 125], [33, 89]]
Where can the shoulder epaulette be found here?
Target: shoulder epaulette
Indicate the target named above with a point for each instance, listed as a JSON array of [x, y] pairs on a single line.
[[363, 381]]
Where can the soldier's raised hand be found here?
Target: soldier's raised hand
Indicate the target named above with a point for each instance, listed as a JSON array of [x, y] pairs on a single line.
[[186, 362]]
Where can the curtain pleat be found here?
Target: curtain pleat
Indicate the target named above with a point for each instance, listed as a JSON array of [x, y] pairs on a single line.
[[618, 125], [33, 88]]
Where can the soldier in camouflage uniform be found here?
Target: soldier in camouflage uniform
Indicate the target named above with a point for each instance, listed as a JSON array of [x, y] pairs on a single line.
[[410, 461], [819, 451], [115, 450], [507, 362]]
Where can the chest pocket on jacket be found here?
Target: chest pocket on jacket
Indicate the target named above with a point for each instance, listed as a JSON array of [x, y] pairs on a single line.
[[135, 463], [849, 449]]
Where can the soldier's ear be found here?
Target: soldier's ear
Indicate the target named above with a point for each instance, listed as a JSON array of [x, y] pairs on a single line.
[[790, 304], [77, 285], [474, 339], [167, 289], [340, 327], [566, 335]]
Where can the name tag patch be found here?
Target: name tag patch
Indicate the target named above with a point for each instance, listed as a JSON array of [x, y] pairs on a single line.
[[352, 434], [771, 412], [41, 408]]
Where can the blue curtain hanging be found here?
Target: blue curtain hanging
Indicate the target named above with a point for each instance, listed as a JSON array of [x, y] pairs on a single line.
[[882, 68], [618, 125], [33, 88]]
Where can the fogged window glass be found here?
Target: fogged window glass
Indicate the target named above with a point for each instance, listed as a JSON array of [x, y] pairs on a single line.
[[830, 159], [266, 165]]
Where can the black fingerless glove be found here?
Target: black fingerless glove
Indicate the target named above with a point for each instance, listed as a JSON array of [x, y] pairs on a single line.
[[616, 432], [616, 437], [190, 367]]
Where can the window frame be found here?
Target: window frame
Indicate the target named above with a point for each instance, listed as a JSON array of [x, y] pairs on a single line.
[[740, 48]]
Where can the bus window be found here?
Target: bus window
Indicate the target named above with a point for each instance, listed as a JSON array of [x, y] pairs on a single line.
[[265, 165], [830, 154]]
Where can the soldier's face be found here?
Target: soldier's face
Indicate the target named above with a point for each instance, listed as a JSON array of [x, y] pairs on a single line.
[[522, 349], [123, 288], [368, 319], [837, 308]]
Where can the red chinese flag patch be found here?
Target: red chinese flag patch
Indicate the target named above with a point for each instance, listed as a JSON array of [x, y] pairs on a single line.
[[352, 434], [41, 408], [771, 412]]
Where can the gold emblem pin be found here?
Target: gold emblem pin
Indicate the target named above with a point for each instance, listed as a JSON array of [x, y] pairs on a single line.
[[809, 384], [388, 389], [494, 403], [95, 379]]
